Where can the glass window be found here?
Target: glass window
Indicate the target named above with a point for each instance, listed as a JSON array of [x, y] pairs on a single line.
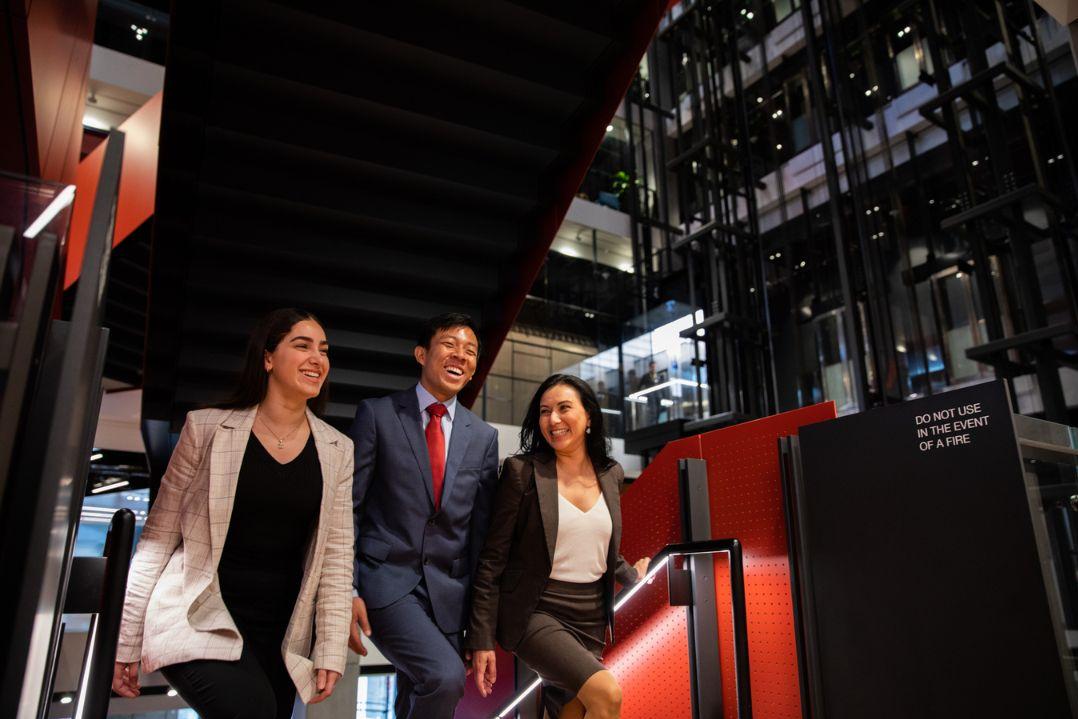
[[375, 695]]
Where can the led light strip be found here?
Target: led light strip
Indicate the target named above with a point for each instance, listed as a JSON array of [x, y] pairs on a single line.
[[61, 201], [632, 591]]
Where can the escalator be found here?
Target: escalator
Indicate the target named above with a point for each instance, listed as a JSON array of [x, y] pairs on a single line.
[[375, 163]]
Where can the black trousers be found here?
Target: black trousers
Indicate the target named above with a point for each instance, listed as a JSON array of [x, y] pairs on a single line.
[[256, 686]]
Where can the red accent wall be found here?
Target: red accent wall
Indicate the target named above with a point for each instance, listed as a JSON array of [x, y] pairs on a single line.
[[44, 66], [745, 487], [650, 657], [138, 184]]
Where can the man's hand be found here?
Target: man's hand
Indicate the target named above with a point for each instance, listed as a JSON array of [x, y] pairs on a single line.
[[359, 622], [325, 680], [125, 679], [641, 567], [486, 671]]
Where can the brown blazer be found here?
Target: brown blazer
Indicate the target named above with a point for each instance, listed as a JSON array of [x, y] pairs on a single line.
[[517, 557]]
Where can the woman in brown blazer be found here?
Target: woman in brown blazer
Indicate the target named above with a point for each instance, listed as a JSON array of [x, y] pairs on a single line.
[[544, 587], [240, 590]]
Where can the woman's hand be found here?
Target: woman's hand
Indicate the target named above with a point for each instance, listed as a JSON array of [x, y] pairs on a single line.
[[324, 682], [125, 679], [641, 567], [486, 671]]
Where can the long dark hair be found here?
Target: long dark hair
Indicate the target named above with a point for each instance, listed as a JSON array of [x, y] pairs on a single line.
[[253, 380], [532, 440]]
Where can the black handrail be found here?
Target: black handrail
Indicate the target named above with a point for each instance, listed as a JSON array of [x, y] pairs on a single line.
[[737, 596], [95, 683]]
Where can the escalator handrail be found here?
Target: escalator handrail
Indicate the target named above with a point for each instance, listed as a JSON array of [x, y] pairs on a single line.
[[737, 597]]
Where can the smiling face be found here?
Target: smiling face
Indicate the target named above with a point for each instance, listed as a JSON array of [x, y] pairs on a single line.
[[298, 366], [563, 420], [449, 362]]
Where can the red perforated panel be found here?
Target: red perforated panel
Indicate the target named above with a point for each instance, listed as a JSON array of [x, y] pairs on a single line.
[[651, 655], [745, 488]]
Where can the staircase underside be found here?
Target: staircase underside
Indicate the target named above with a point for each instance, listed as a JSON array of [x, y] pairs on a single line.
[[375, 163]]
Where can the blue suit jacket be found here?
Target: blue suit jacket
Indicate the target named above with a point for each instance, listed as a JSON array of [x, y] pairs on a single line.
[[400, 539]]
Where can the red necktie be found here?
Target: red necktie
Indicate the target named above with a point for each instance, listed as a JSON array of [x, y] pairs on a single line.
[[436, 450]]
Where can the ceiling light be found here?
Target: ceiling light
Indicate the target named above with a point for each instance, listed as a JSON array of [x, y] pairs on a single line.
[[868, 93], [700, 333], [609, 128], [171, 692], [900, 348], [875, 88], [752, 289], [876, 208], [852, 75], [65, 699], [802, 263], [749, 15], [58, 203], [759, 99], [975, 163], [778, 254], [907, 29], [96, 456], [778, 146]]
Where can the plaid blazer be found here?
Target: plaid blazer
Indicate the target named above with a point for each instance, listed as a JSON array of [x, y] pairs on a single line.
[[174, 611]]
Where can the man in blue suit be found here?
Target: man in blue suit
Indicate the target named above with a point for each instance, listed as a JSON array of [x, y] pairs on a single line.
[[425, 474]]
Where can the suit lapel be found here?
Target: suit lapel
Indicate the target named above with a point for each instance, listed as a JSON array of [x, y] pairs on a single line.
[[226, 457], [458, 447], [408, 414], [546, 488]]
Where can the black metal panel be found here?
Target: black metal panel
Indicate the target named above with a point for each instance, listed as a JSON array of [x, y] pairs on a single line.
[[918, 555], [703, 619]]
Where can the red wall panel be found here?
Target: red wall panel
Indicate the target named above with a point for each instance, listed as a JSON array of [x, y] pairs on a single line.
[[138, 184], [45, 67], [745, 488], [650, 657]]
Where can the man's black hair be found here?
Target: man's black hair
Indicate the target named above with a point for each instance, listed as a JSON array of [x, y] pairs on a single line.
[[447, 321]]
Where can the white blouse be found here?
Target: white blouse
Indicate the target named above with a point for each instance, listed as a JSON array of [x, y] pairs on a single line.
[[583, 541]]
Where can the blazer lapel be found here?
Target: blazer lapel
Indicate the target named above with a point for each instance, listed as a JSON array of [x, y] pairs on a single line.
[[458, 446], [408, 414], [226, 457], [329, 458], [546, 488], [608, 482]]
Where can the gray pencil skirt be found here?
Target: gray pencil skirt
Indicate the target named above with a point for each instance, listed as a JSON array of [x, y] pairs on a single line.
[[564, 639]]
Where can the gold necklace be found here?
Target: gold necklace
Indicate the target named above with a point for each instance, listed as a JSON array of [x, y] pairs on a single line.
[[280, 440]]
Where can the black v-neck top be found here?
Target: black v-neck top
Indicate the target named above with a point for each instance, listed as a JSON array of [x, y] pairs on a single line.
[[273, 517]]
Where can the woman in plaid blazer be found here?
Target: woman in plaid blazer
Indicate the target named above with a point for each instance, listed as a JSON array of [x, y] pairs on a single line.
[[240, 589]]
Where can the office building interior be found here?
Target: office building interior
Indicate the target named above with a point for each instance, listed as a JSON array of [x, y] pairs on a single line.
[[816, 259]]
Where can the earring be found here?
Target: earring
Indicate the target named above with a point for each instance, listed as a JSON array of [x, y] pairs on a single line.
[[588, 430]]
